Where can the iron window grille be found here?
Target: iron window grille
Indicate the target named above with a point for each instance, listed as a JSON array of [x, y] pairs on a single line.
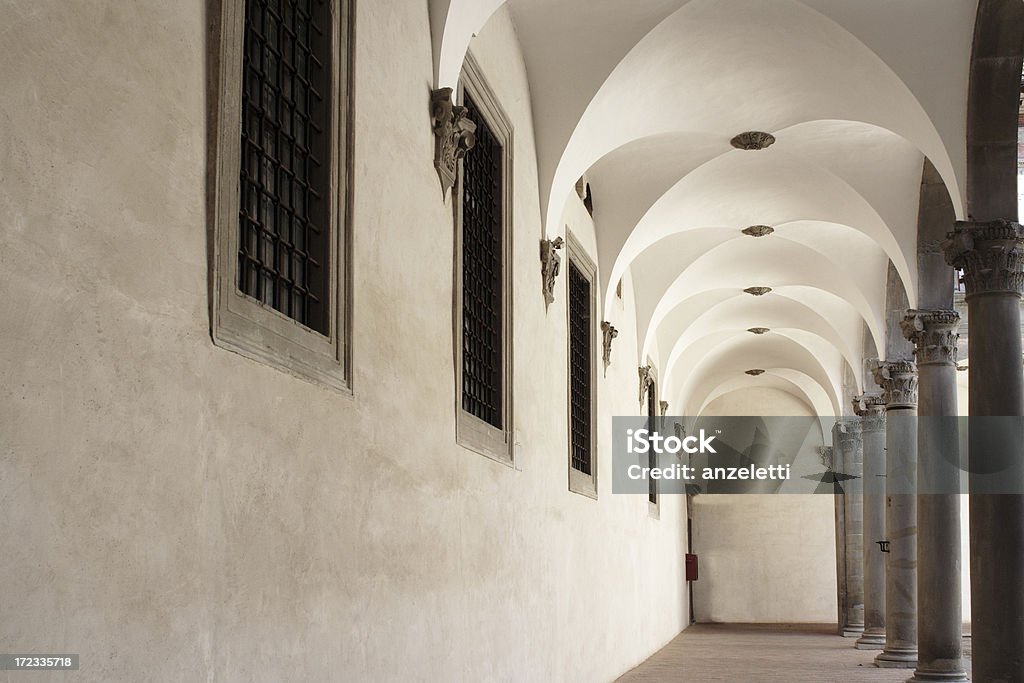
[[652, 458], [580, 364], [284, 237], [482, 278]]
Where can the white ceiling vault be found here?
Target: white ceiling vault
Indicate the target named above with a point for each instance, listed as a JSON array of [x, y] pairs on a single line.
[[643, 98]]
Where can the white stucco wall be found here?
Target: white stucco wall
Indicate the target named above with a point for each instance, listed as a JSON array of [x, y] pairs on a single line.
[[764, 558], [174, 511]]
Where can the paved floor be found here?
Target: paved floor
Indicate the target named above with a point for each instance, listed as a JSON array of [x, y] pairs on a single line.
[[761, 653]]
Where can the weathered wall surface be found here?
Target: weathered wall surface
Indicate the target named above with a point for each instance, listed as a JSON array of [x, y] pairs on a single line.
[[764, 558], [173, 511]]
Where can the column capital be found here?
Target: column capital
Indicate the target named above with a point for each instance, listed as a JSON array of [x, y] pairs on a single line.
[[990, 254], [849, 429], [898, 380], [934, 334], [871, 409]]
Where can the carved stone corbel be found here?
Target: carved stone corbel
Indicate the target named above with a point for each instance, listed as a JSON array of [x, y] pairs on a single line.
[[664, 407], [645, 380], [550, 264], [825, 455], [608, 333], [454, 135]]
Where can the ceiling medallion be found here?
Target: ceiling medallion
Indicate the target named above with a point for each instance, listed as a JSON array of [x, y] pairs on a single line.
[[755, 372], [753, 140], [758, 330], [757, 291], [758, 230]]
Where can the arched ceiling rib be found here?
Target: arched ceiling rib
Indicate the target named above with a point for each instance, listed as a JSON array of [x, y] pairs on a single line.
[[718, 358], [779, 316], [742, 263], [790, 381], [685, 357]]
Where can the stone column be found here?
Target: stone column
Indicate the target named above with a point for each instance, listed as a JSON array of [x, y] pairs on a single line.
[[990, 256], [848, 439], [898, 380], [871, 410], [940, 617]]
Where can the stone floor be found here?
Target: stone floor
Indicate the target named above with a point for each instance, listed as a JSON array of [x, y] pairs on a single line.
[[761, 653]]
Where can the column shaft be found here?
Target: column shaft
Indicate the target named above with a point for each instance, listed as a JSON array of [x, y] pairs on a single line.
[[853, 503], [940, 617], [899, 380], [872, 412]]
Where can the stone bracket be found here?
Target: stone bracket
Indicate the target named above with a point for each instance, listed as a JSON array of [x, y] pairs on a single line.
[[550, 264], [609, 333], [645, 380], [454, 135]]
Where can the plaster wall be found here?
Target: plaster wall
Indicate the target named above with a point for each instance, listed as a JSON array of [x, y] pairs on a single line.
[[764, 558], [177, 512]]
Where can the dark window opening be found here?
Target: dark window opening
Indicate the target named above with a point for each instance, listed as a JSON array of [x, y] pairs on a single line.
[[284, 242], [580, 363], [482, 283], [652, 458]]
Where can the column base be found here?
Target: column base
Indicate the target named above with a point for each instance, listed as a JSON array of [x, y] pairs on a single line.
[[897, 659], [871, 641], [853, 631], [923, 676]]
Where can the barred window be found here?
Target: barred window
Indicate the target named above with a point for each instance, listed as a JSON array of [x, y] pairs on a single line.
[[652, 458], [581, 311], [579, 369], [482, 295], [483, 275], [280, 185], [284, 179]]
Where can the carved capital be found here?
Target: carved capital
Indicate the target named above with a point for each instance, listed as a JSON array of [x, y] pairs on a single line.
[[871, 409], [645, 380], [550, 264], [454, 135], [898, 380], [849, 430], [934, 334], [608, 333], [990, 254]]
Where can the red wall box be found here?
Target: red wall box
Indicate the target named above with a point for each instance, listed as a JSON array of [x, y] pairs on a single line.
[[691, 567]]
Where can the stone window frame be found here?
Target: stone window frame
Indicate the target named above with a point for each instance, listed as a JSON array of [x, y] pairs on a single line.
[[471, 432], [240, 323], [583, 484]]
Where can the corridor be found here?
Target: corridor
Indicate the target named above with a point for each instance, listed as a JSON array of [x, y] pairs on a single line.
[[760, 653]]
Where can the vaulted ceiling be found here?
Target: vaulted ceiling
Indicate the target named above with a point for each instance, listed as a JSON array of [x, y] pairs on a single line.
[[643, 98]]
